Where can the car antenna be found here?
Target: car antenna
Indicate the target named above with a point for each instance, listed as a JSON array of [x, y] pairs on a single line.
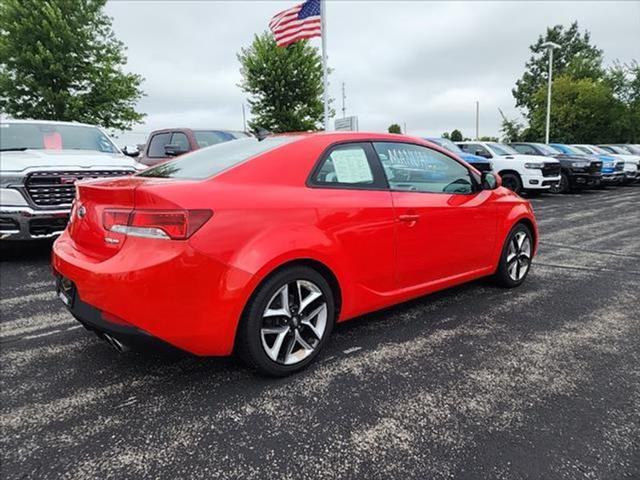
[[261, 133]]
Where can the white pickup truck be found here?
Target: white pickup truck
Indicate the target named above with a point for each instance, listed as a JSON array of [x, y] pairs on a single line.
[[40, 161], [519, 172]]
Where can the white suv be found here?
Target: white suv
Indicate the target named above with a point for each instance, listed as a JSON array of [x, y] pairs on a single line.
[[519, 172]]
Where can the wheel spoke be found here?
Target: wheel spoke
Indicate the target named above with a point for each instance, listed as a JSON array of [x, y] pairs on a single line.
[[274, 350], [283, 310], [512, 269], [320, 315], [303, 342], [314, 294]]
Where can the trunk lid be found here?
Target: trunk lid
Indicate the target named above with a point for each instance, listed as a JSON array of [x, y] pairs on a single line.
[[85, 223]]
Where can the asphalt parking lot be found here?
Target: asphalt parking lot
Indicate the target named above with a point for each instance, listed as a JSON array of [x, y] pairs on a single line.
[[475, 382]]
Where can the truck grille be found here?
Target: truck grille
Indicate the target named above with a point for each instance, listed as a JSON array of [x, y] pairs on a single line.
[[56, 189], [551, 170], [619, 166]]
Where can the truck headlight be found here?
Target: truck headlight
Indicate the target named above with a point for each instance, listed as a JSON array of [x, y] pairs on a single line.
[[534, 165], [11, 198]]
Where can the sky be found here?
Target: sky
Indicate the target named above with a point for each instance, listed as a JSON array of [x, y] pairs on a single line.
[[420, 63]]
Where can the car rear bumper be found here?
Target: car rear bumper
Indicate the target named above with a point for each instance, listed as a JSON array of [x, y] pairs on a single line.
[[165, 289], [26, 223], [118, 335]]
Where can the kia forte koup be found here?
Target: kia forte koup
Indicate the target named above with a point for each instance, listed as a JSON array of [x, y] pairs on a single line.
[[259, 246]]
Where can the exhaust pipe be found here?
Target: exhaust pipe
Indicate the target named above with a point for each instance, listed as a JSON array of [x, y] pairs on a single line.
[[115, 343]]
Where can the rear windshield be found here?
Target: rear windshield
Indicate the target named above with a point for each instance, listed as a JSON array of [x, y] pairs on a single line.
[[210, 161]]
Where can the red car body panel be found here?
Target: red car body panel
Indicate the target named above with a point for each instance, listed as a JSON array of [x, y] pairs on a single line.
[[191, 293]]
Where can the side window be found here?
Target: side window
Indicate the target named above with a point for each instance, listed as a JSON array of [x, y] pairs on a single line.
[[180, 139], [157, 143], [526, 149], [346, 165], [419, 169]]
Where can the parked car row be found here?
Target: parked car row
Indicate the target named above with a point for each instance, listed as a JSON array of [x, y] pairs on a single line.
[[558, 168], [42, 160]]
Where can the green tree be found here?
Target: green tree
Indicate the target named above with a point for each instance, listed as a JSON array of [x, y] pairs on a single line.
[[512, 130], [284, 84], [584, 111], [59, 60], [575, 57], [446, 135], [624, 81], [395, 128], [456, 136]]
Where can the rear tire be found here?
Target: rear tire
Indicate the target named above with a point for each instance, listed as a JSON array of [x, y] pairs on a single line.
[[286, 322], [515, 261], [512, 182]]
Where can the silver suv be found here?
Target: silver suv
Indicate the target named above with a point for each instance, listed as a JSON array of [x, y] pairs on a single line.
[[39, 163]]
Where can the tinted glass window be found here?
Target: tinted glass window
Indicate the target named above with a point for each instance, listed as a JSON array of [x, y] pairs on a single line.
[[156, 146], [206, 138], [526, 149], [43, 136], [180, 139], [476, 149], [210, 161], [501, 149], [345, 165], [420, 169]]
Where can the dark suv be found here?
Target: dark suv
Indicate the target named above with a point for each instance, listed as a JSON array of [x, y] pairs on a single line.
[[576, 171], [171, 142]]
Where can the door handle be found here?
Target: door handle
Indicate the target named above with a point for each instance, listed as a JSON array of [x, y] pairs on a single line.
[[409, 218]]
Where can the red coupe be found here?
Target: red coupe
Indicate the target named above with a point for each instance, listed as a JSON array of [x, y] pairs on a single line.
[[260, 246]]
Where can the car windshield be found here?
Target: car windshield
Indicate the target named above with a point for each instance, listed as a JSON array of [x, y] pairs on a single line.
[[206, 138], [618, 150], [52, 136], [446, 143], [547, 149], [600, 151], [210, 161], [568, 149], [501, 149]]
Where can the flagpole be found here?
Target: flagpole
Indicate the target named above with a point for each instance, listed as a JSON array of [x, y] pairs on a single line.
[[325, 73]]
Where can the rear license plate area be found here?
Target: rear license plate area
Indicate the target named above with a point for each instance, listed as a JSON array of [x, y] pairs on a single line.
[[66, 290]]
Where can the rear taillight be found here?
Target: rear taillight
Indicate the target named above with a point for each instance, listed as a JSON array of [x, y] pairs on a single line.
[[167, 224]]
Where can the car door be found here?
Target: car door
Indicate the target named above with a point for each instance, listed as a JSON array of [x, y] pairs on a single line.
[[354, 207], [446, 225]]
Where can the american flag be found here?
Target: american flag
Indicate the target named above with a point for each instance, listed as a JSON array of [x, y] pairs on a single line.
[[297, 23]]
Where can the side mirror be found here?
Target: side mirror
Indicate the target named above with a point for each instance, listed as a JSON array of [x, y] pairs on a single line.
[[131, 151], [490, 181], [482, 153], [172, 150]]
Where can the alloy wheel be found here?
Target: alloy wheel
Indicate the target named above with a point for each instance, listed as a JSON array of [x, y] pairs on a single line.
[[519, 256], [294, 322]]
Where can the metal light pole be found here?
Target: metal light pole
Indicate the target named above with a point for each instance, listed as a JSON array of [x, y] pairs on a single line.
[[477, 120], [551, 46]]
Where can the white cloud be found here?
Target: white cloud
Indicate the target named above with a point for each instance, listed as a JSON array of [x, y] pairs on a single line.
[[420, 62]]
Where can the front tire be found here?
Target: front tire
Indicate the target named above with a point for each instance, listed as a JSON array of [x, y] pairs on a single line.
[[512, 182], [287, 321], [563, 186], [515, 261]]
